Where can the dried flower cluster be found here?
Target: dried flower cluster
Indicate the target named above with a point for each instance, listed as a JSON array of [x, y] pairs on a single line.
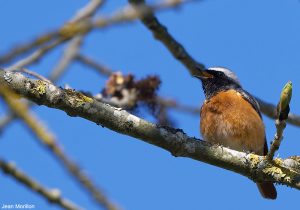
[[124, 91], [127, 92]]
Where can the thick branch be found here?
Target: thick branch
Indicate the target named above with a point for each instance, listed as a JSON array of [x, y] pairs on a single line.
[[173, 140]]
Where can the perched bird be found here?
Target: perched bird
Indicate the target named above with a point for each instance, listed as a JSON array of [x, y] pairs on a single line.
[[230, 116]]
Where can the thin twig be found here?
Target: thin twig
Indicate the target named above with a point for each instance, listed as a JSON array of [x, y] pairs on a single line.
[[6, 120], [34, 57], [36, 75], [88, 10], [266, 108], [280, 126], [103, 70], [271, 111], [73, 47], [68, 56], [173, 104], [72, 29], [161, 33], [25, 48], [83, 13], [283, 110], [53, 196]]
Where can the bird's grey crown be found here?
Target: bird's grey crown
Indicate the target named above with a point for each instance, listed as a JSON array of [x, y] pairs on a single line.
[[227, 72]]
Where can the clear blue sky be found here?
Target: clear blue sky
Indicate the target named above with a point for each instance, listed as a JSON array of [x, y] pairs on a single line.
[[259, 40]]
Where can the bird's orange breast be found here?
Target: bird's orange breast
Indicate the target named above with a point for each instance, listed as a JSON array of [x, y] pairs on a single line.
[[228, 119]]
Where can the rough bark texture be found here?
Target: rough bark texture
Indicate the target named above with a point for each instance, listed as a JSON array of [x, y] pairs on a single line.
[[74, 103]]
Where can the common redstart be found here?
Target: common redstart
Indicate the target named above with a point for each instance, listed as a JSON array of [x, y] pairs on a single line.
[[230, 116]]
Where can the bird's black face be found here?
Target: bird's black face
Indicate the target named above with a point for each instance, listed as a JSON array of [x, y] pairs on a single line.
[[214, 81]]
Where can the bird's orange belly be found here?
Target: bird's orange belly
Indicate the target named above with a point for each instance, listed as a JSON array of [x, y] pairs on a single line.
[[229, 120]]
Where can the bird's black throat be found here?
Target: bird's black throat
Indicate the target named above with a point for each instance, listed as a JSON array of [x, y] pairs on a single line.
[[213, 86]]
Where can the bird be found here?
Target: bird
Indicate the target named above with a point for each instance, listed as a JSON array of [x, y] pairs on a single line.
[[230, 116]]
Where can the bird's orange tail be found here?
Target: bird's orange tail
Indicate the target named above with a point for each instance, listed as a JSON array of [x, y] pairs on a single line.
[[267, 190]]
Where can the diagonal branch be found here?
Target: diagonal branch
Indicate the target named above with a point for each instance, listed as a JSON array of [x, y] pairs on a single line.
[[35, 56], [271, 111], [268, 109], [53, 196], [73, 47], [28, 47], [47, 139], [81, 27], [38, 129], [258, 168], [161, 33]]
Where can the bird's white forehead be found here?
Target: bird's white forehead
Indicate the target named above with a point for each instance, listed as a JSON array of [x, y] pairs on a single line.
[[227, 72]]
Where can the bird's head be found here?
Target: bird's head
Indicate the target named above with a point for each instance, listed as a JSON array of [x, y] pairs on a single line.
[[217, 79]]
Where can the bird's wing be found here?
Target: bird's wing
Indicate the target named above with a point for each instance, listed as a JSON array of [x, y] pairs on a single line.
[[251, 100], [255, 105]]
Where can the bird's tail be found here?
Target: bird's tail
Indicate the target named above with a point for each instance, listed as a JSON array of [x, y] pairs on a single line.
[[267, 190]]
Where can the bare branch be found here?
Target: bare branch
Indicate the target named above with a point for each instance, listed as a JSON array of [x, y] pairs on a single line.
[[81, 27], [161, 33], [74, 103], [87, 11], [68, 56], [74, 46], [103, 70], [271, 111], [48, 139], [83, 13], [36, 75], [25, 48], [6, 120], [34, 57], [53, 196]]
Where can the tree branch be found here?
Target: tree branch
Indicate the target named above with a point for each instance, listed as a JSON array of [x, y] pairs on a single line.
[[161, 33], [73, 47], [35, 56], [266, 108], [271, 111], [47, 139], [103, 70], [53, 196], [257, 168], [81, 27], [27, 47]]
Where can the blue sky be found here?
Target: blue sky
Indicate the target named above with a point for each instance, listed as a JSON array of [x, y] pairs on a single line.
[[258, 40]]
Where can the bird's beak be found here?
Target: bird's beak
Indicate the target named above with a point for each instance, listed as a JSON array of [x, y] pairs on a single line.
[[203, 75]]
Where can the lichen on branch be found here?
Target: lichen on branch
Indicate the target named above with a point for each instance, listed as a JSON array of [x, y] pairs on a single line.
[[74, 103]]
